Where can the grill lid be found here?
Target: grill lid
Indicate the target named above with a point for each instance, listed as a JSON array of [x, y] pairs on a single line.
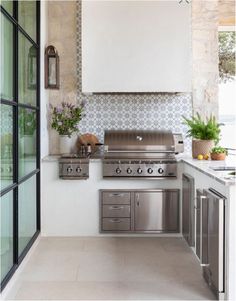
[[139, 141]]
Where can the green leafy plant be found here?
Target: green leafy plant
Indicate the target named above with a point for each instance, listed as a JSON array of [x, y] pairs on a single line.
[[219, 150], [65, 118], [227, 55], [27, 122], [203, 130]]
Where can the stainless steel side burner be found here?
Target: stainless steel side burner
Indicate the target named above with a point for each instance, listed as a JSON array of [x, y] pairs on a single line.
[[73, 167]]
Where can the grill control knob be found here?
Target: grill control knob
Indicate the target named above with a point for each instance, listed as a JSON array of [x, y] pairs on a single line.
[[69, 169], [129, 170], [161, 170], [118, 170], [150, 170], [78, 169], [139, 171]]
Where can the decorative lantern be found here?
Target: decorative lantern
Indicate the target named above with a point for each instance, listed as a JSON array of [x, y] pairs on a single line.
[[32, 68], [51, 68]]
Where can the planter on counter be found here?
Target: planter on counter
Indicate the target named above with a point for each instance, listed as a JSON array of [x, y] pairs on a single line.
[[216, 156], [65, 144], [201, 147]]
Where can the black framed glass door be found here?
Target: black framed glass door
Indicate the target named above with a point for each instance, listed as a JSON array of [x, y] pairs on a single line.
[[19, 132]]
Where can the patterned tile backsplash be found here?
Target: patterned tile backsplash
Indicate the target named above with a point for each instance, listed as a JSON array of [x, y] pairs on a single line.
[[130, 111]]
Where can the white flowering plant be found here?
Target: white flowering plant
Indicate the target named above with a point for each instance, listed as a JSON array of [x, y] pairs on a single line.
[[66, 117]]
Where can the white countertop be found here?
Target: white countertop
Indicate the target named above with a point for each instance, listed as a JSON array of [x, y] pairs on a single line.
[[204, 166]]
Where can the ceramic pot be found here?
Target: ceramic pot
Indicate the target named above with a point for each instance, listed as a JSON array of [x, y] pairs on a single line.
[[65, 144], [220, 157], [201, 147]]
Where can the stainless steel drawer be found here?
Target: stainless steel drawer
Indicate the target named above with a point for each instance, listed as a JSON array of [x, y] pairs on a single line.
[[116, 198], [116, 224], [116, 211]]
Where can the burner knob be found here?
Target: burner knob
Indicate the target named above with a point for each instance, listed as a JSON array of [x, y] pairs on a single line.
[[78, 169], [139, 171], [150, 170], [118, 170], [129, 170], [69, 169], [161, 170]]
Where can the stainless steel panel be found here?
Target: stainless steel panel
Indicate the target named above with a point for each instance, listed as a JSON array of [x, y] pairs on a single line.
[[179, 143], [116, 198], [138, 140], [116, 224], [188, 221], [203, 230], [116, 210], [144, 169], [198, 222], [215, 267], [157, 211]]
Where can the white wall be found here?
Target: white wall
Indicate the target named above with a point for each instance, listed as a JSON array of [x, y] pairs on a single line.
[[43, 92]]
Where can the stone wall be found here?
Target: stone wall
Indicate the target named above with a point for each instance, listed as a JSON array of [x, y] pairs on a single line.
[[227, 12], [205, 56], [62, 35]]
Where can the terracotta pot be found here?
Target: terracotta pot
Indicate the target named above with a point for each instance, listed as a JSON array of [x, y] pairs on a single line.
[[215, 156], [201, 147]]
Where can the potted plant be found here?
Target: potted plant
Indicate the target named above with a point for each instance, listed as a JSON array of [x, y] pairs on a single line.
[[205, 134], [218, 153], [65, 120]]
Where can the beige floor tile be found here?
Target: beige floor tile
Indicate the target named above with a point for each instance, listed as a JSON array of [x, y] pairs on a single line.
[[100, 267], [112, 269], [72, 291], [52, 266], [61, 244]]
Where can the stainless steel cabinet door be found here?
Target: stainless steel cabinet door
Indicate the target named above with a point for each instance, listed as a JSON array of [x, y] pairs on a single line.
[[215, 267], [157, 211], [188, 228]]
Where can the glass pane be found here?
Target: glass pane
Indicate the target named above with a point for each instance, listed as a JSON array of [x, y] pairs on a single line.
[[27, 212], [27, 17], [6, 59], [27, 141], [27, 71], [8, 5], [6, 143], [6, 233]]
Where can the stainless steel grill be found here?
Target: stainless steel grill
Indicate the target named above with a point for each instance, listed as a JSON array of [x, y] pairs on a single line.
[[141, 154]]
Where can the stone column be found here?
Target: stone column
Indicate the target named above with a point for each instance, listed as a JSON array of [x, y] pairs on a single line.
[[205, 56]]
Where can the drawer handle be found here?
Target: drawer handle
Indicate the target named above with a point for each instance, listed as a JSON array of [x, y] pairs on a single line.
[[115, 221], [116, 207], [117, 194]]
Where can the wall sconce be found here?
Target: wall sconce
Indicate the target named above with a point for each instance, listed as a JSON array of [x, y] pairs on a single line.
[[51, 68], [32, 68]]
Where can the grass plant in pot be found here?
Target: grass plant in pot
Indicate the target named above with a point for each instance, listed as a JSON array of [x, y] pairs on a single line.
[[218, 153], [205, 134], [65, 120]]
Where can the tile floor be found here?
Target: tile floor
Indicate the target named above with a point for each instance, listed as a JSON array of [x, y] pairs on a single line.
[[109, 268]]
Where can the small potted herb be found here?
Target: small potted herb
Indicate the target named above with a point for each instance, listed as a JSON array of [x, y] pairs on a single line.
[[65, 120], [205, 134], [218, 153]]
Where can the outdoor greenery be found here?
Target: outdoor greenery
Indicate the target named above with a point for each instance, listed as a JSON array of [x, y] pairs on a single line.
[[27, 122], [203, 130], [219, 150], [226, 55], [66, 118]]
